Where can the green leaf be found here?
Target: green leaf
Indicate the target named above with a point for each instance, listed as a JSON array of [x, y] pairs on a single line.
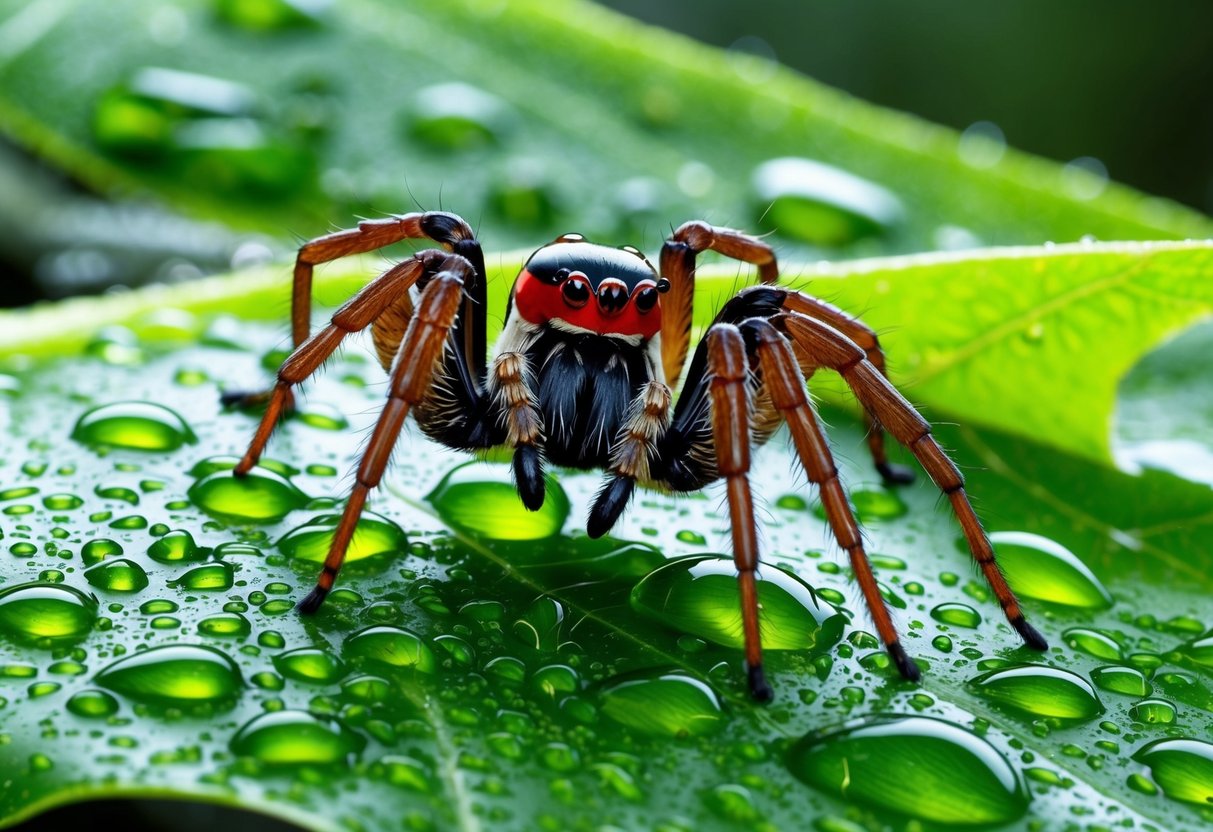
[[571, 117], [461, 681]]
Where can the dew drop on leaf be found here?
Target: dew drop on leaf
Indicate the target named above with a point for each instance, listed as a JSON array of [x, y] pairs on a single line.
[[176, 674], [821, 204], [1124, 680], [1183, 768], [1039, 691], [262, 496], [665, 705], [46, 615], [925, 768], [117, 575], [286, 738], [1093, 643], [92, 704], [216, 575], [1037, 567], [225, 625], [480, 498], [698, 595], [309, 664], [177, 546], [390, 646], [457, 116], [139, 426], [1153, 712], [956, 614], [374, 535]]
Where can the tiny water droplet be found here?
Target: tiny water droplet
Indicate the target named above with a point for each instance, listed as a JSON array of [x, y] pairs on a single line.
[[46, 615], [879, 761], [1183, 768], [322, 416], [480, 498], [698, 595], [286, 738], [139, 426], [1040, 691], [117, 575], [956, 614], [175, 674], [821, 204], [1037, 567]]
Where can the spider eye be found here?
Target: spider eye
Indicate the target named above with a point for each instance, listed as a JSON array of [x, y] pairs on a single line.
[[663, 285], [612, 295], [576, 292], [646, 299], [554, 278]]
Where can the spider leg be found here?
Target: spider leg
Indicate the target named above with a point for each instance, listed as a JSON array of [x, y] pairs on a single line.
[[677, 263], [355, 315], [420, 356], [825, 346], [444, 228], [509, 381], [631, 456], [730, 417], [865, 337], [783, 379]]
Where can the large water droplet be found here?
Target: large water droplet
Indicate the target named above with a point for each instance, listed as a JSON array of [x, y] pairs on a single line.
[[958, 615], [1200, 650], [1040, 691], [1125, 680], [666, 705], [1037, 567], [139, 426], [480, 498], [699, 595], [262, 496], [177, 546], [208, 577], [822, 204], [1153, 712], [97, 550], [176, 674], [926, 768], [1182, 767], [285, 738], [225, 625], [309, 664], [374, 535], [1093, 643], [117, 575], [390, 646], [45, 614]]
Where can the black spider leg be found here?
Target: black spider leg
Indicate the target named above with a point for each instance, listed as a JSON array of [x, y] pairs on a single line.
[[682, 458]]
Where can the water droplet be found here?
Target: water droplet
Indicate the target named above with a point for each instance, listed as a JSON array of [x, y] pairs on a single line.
[[374, 535], [285, 738], [1200, 650], [262, 496], [370, 690], [1183, 768], [177, 546], [555, 681], [942, 643], [1153, 712], [126, 495], [1037, 567], [1093, 643], [822, 204], [117, 575], [322, 416], [1040, 691], [225, 625], [524, 194], [692, 537], [457, 116], [666, 705], [699, 596], [309, 664], [46, 615], [390, 646], [918, 766], [139, 426], [62, 502], [1126, 680], [92, 704], [480, 498], [208, 577], [270, 15], [174, 674], [958, 615]]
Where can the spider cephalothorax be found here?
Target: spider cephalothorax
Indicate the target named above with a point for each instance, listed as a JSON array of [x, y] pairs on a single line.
[[581, 376]]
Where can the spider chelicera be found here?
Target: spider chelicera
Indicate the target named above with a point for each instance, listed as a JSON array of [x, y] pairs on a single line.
[[581, 376]]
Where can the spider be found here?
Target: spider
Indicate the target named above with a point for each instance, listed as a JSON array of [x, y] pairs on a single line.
[[581, 376]]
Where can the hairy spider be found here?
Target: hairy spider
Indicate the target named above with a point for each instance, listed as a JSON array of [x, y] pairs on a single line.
[[581, 376]]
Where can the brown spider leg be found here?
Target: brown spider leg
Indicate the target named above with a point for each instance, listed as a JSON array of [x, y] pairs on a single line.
[[677, 264], [355, 315], [447, 229], [730, 414], [865, 337], [827, 347], [785, 383], [420, 354]]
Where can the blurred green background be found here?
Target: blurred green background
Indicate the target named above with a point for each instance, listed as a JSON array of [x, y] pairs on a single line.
[[1116, 89]]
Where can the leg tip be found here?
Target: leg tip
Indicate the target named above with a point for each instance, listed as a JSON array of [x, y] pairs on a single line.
[[528, 475], [1030, 635], [310, 604], [905, 665], [893, 474], [760, 689], [610, 503]]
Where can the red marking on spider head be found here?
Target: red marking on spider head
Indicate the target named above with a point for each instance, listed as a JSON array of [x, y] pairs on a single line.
[[591, 287]]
